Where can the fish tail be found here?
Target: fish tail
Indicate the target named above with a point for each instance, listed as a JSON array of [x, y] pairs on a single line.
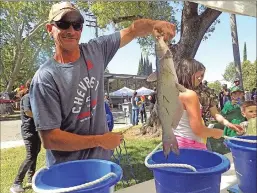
[[166, 149], [175, 149]]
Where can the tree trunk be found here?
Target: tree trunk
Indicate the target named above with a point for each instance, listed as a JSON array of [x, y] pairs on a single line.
[[193, 29], [17, 65], [236, 53]]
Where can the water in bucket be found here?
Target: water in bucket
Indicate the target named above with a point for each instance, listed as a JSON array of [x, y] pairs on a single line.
[[244, 156], [206, 179], [72, 174]]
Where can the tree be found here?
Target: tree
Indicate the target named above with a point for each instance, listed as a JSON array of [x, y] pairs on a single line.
[[230, 72], [215, 85], [140, 70], [245, 53], [24, 41], [150, 68], [195, 22], [146, 64], [236, 53], [249, 74]]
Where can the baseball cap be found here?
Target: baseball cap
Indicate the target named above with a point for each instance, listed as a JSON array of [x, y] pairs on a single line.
[[236, 80], [236, 89], [58, 10]]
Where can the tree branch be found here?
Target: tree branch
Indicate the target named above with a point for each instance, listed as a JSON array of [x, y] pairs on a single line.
[[36, 53], [34, 31], [22, 28], [207, 18], [210, 14], [126, 18]]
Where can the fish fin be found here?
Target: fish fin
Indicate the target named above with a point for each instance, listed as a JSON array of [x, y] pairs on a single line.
[[180, 87], [152, 77], [175, 150]]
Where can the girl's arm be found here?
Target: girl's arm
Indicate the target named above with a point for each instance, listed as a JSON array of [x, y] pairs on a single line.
[[218, 117], [192, 106]]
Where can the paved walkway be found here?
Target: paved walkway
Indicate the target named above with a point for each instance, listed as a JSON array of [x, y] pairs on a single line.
[[11, 133]]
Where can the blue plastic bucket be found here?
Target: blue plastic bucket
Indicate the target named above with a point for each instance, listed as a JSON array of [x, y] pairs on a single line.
[[206, 179], [64, 177], [244, 156]]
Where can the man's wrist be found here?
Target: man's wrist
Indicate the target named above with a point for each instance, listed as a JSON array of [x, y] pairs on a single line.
[[97, 140]]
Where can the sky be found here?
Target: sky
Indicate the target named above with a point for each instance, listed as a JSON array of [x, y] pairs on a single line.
[[215, 53]]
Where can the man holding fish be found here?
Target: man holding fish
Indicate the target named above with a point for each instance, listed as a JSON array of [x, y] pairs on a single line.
[[67, 92]]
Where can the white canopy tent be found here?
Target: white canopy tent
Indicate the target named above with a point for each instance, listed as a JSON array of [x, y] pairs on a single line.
[[122, 92], [144, 91], [247, 8]]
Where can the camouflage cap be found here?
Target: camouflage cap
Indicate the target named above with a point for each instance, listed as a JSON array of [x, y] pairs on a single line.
[[58, 10]]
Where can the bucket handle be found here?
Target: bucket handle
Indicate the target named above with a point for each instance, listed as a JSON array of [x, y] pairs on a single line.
[[152, 166], [239, 139], [70, 189]]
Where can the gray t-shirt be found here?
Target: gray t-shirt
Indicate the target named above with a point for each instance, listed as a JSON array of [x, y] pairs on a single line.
[[71, 96]]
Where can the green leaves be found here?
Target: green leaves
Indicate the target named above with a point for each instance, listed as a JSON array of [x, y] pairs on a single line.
[[24, 40], [215, 85], [230, 72], [121, 14], [249, 74]]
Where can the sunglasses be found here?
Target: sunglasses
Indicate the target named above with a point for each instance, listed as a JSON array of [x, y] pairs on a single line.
[[64, 25]]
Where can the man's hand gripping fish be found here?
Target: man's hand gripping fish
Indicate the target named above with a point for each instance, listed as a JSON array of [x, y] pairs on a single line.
[[168, 106]]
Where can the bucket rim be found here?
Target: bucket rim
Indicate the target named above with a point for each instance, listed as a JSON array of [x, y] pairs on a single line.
[[111, 181], [232, 145], [221, 168]]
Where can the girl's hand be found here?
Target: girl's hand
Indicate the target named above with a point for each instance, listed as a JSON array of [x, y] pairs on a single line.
[[217, 134]]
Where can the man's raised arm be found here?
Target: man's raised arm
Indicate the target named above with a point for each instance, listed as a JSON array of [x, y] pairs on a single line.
[[145, 27]]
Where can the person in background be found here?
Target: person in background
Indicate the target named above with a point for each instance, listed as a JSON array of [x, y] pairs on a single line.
[[142, 109], [232, 111], [249, 111], [21, 87], [253, 95], [247, 95], [236, 82], [224, 95], [152, 99], [31, 140], [191, 131], [205, 83], [207, 101], [107, 100], [109, 116], [135, 108]]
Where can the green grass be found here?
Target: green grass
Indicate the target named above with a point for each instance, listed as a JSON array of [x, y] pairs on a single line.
[[137, 149], [10, 162]]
